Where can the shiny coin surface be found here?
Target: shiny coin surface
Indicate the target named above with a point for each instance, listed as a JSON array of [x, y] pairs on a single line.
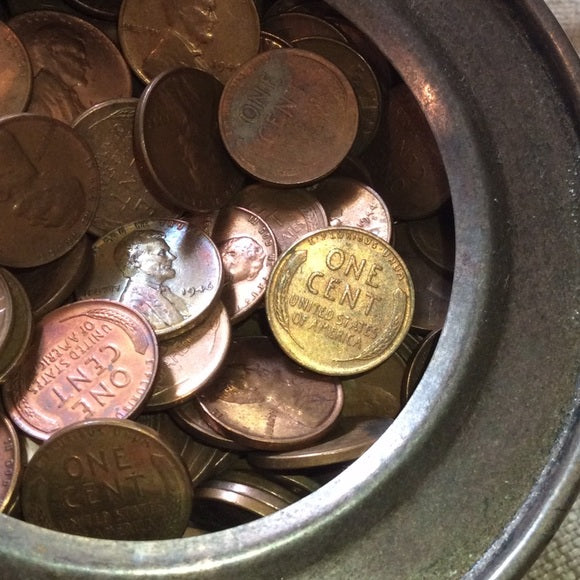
[[265, 400], [290, 213], [6, 310], [16, 82], [215, 36], [340, 301], [248, 251], [270, 41], [49, 185], [178, 144], [87, 360], [167, 270], [288, 117], [10, 463], [108, 130], [108, 479], [74, 64], [189, 361]]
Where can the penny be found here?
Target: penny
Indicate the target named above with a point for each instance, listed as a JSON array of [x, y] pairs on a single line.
[[432, 286], [89, 359], [16, 79], [18, 337], [288, 117], [418, 364], [294, 25], [74, 64], [362, 78], [205, 221], [216, 36], [108, 479], [178, 144], [10, 463], [167, 270], [107, 9], [50, 285], [300, 485], [16, 7], [248, 251], [266, 401], [49, 190], [108, 130], [269, 41], [340, 301], [348, 441], [189, 361], [290, 213], [6, 310], [348, 202]]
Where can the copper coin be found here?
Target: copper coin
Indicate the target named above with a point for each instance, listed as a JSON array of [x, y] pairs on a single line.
[[10, 463], [269, 41], [6, 310], [313, 7], [49, 190], [16, 79], [248, 251], [362, 78], [87, 360], [216, 36], [167, 270], [418, 364], [108, 130], [106, 9], [18, 337], [189, 361], [290, 213], [108, 479], [267, 401], [74, 64], [350, 203], [48, 286], [178, 144], [294, 25], [205, 221], [288, 117]]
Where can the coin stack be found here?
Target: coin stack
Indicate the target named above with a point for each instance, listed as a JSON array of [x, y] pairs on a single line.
[[226, 254]]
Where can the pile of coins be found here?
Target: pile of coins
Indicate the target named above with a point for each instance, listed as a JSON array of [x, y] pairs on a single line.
[[226, 253]]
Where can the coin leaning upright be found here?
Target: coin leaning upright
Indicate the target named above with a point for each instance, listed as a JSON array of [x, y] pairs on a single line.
[[340, 301]]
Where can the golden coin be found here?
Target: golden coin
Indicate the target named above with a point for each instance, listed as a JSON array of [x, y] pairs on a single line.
[[340, 301], [108, 479]]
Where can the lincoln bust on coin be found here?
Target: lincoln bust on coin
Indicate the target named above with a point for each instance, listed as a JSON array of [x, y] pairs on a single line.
[[146, 260], [243, 258]]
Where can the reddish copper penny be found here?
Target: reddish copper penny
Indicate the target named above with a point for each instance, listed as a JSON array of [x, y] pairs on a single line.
[[288, 117], [16, 73], [90, 359]]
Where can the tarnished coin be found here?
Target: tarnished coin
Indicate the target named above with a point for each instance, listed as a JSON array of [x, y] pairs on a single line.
[[16, 75], [10, 463], [418, 364], [167, 270], [340, 301], [106, 9], [108, 130], [290, 213], [49, 190], [216, 36], [74, 64], [108, 479], [265, 400], [292, 26], [48, 286], [205, 221], [178, 144], [350, 203], [87, 360], [6, 310], [269, 41], [248, 252], [288, 117], [189, 361]]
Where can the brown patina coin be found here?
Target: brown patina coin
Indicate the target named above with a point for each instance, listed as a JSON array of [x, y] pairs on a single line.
[[108, 479], [87, 360], [190, 360], [106, 9], [74, 64], [290, 213], [16, 73], [10, 463], [178, 144], [216, 36], [49, 189], [6, 310], [292, 26], [167, 270], [108, 130], [288, 117], [267, 401], [248, 251]]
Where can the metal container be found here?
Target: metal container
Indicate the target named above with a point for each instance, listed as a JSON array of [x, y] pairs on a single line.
[[479, 468]]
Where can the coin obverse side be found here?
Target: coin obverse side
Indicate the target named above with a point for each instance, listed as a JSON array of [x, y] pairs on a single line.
[[340, 301], [87, 360], [108, 479]]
